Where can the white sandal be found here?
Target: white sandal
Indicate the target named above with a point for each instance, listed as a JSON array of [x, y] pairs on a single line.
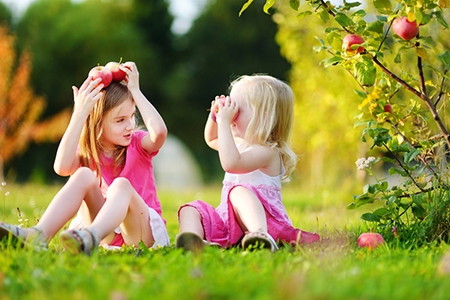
[[259, 239], [79, 241], [37, 241], [192, 242]]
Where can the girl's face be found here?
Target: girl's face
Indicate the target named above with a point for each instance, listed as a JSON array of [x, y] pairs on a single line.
[[118, 125], [239, 126]]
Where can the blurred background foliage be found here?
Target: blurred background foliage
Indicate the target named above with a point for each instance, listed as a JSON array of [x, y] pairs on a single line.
[[181, 75]]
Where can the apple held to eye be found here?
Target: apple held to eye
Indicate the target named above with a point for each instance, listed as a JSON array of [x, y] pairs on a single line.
[[117, 73], [370, 240], [215, 109], [103, 73], [405, 29]]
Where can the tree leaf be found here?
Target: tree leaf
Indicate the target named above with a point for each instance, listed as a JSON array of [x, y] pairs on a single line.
[[384, 7], [358, 15], [421, 52], [376, 26], [445, 58], [409, 156], [369, 217], [365, 73], [247, 4], [440, 18], [294, 4], [381, 212], [303, 14], [419, 211], [332, 61], [343, 20], [268, 5]]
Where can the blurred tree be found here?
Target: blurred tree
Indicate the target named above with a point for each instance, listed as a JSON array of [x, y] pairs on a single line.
[[5, 15], [68, 39], [20, 108], [326, 105], [219, 47]]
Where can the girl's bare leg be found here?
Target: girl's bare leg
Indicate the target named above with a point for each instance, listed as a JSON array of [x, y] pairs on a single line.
[[82, 185], [126, 208], [248, 209], [191, 221]]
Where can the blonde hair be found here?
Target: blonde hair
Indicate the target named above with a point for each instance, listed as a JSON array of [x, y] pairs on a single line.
[[272, 103], [90, 144]]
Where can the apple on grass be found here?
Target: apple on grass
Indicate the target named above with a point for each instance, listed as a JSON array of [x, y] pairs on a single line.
[[117, 73], [370, 240], [405, 29], [349, 41], [215, 109], [101, 72]]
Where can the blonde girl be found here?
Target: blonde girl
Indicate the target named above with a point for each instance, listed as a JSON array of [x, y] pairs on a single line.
[[254, 152], [111, 184]]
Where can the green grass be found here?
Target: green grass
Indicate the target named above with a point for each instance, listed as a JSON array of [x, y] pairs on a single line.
[[333, 269]]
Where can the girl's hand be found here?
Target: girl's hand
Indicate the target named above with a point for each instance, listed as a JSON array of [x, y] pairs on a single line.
[[227, 111], [88, 94], [132, 78]]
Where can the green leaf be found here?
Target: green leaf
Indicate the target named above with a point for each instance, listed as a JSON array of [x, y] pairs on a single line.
[[351, 206], [381, 212], [369, 217], [319, 48], [389, 160], [324, 15], [440, 18], [384, 7], [303, 14], [351, 4], [445, 58], [401, 51], [358, 15], [419, 211], [376, 26], [343, 20], [247, 4], [365, 73], [393, 171], [361, 94], [409, 156], [332, 61], [419, 199], [418, 15], [294, 4], [268, 5], [333, 29], [421, 52]]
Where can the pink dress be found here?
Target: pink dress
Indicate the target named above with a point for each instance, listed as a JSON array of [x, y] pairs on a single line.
[[220, 224], [138, 169]]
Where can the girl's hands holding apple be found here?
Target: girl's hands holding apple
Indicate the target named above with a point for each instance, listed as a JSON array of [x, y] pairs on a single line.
[[228, 110], [132, 79], [219, 101], [88, 94]]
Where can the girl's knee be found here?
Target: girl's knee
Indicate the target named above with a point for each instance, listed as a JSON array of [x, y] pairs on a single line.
[[84, 174], [121, 183], [189, 212]]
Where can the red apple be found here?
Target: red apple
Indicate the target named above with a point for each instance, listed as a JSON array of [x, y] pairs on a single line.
[[370, 240], [101, 72], [118, 74], [215, 109], [388, 108], [405, 29], [352, 39]]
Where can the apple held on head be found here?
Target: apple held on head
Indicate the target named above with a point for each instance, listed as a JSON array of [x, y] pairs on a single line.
[[349, 41], [405, 29], [101, 72], [370, 240], [117, 73], [215, 109]]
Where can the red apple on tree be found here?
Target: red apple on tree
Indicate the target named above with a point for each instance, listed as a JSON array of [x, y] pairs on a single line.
[[352, 39], [388, 108], [405, 29], [101, 72], [118, 74], [215, 109], [370, 240]]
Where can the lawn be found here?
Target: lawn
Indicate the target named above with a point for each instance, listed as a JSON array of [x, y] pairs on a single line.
[[333, 269]]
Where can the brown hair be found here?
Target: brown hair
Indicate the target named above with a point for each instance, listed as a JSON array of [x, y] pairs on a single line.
[[91, 147]]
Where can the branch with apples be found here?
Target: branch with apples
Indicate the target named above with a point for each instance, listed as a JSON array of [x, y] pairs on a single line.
[[411, 135]]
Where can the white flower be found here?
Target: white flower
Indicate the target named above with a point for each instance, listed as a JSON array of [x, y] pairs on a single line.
[[363, 163]]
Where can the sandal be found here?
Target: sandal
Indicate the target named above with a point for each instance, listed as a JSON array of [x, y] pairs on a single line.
[[77, 241], [259, 239], [192, 242], [36, 241]]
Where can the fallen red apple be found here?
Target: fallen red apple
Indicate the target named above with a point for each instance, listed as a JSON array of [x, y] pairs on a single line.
[[215, 109], [388, 108], [117, 73], [370, 240], [352, 39], [405, 29], [101, 72]]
